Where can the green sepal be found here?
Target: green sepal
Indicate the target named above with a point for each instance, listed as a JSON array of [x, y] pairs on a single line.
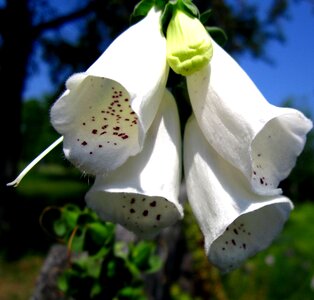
[[167, 15], [142, 8], [218, 35], [188, 7], [205, 16], [185, 5]]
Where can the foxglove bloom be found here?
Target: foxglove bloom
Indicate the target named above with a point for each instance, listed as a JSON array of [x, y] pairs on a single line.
[[261, 140], [237, 149], [106, 111], [142, 194], [236, 222]]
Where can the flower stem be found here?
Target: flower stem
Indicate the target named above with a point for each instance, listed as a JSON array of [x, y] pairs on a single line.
[[18, 179]]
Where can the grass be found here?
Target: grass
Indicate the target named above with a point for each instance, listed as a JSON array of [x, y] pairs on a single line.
[[45, 185], [17, 279], [53, 182]]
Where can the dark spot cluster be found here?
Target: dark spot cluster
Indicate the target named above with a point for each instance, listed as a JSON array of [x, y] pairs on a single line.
[[143, 213], [235, 237], [258, 172], [111, 121]]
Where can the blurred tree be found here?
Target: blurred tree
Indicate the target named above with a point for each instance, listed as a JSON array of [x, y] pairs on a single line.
[[29, 25], [25, 25]]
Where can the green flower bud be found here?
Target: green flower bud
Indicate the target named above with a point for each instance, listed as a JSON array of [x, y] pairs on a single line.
[[189, 47]]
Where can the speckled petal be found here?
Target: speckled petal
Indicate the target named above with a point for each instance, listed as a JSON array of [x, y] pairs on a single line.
[[142, 194], [102, 131], [137, 60], [261, 140], [236, 223], [106, 111]]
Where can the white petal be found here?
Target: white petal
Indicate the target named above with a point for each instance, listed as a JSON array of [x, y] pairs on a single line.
[[137, 60], [106, 111], [142, 195], [236, 223], [261, 140], [102, 131]]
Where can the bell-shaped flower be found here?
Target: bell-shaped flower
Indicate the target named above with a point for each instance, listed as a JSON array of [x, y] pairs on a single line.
[[189, 46], [261, 140], [236, 222], [105, 112], [142, 194]]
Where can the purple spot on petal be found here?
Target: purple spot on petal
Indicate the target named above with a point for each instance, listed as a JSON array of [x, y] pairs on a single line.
[[153, 204]]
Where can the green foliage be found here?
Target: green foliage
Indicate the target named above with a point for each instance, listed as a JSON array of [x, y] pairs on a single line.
[[297, 185], [100, 267], [37, 132], [283, 271]]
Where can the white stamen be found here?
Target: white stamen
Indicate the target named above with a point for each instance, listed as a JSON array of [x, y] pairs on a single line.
[[18, 179]]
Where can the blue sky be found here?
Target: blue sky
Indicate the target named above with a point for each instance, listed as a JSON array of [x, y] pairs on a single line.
[[291, 75]]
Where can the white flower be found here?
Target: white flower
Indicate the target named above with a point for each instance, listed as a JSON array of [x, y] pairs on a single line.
[[261, 140], [106, 111], [237, 149], [236, 222], [142, 194]]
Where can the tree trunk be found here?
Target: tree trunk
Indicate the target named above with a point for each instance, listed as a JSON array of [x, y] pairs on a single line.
[[16, 46]]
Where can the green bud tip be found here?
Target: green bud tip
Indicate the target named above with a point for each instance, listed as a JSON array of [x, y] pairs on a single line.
[[189, 46]]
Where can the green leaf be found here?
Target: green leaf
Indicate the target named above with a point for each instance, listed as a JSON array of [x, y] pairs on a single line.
[[117, 267], [96, 289], [91, 265], [70, 214], [97, 236], [132, 293], [121, 250], [78, 240], [143, 257], [85, 218], [62, 282], [155, 264], [60, 228]]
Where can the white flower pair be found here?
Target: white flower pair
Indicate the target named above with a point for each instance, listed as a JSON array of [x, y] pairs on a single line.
[[121, 124]]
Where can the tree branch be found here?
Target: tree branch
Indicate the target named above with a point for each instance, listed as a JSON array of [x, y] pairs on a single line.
[[59, 21]]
